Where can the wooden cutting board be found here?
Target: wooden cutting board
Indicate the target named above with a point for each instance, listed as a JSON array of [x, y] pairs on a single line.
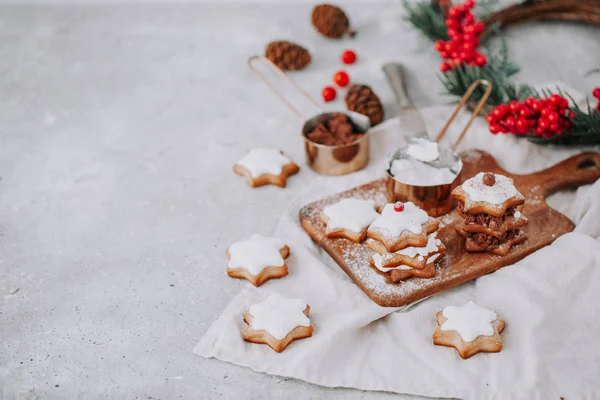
[[458, 266]]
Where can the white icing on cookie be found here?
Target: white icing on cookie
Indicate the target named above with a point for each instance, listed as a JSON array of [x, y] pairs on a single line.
[[378, 259], [423, 150], [432, 258], [469, 321], [278, 315], [264, 161], [498, 193], [432, 246], [351, 214], [517, 215], [410, 219], [256, 253]]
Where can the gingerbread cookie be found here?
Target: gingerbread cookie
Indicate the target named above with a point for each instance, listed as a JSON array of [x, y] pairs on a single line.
[[277, 322], [258, 259], [401, 225], [477, 242], [492, 197], [414, 257], [349, 219], [470, 329], [402, 272], [494, 226], [491, 207], [265, 166]]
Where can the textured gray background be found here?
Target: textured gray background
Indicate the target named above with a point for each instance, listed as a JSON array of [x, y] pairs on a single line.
[[118, 129]]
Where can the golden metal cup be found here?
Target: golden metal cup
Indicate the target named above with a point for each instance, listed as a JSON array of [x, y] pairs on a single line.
[[436, 200], [338, 160], [323, 159]]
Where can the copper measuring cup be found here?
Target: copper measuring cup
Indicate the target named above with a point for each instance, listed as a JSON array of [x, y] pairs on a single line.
[[323, 159], [436, 199]]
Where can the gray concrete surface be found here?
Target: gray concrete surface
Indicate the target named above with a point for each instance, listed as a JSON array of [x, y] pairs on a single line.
[[118, 128]]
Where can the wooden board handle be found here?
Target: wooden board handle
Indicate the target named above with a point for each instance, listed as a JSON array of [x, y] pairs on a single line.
[[578, 170]]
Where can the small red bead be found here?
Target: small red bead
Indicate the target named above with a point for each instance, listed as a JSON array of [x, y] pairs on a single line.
[[546, 112], [555, 99], [490, 118], [398, 206], [480, 60], [515, 106], [469, 3], [544, 123], [341, 78], [328, 93], [596, 93], [469, 20], [564, 103], [509, 121], [454, 12], [449, 47], [469, 29], [522, 125], [453, 33], [440, 45], [452, 23], [553, 117], [349, 57], [468, 47], [529, 101], [495, 128], [445, 67], [525, 112], [498, 112], [479, 27]]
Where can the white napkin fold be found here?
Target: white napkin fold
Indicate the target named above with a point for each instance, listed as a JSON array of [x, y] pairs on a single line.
[[549, 301]]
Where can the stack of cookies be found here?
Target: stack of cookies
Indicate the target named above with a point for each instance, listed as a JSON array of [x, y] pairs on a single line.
[[405, 241], [491, 207]]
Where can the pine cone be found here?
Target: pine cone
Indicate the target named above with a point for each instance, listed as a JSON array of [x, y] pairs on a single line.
[[361, 99], [331, 21], [288, 56]]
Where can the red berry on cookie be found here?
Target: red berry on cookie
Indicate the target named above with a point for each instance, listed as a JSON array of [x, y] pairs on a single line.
[[398, 206]]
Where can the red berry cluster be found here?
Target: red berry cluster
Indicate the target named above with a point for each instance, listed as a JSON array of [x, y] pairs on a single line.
[[341, 77], [596, 94], [464, 34], [546, 117]]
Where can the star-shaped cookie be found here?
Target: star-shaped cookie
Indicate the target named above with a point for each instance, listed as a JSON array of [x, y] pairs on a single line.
[[277, 322], [399, 229], [470, 329], [408, 262], [265, 166], [258, 259], [479, 241], [349, 219], [492, 198]]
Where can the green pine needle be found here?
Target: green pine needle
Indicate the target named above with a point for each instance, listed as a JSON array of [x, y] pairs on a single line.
[[427, 18]]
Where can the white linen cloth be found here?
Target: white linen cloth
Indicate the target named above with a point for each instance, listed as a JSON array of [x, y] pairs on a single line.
[[549, 301]]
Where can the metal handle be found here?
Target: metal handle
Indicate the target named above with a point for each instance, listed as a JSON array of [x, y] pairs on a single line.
[[461, 104], [286, 78], [395, 77]]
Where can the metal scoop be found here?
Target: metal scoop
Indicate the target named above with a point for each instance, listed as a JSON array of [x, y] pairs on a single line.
[[411, 120], [323, 159], [435, 199]]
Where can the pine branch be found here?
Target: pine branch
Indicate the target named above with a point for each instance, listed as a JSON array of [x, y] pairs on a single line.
[[428, 18], [592, 72]]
